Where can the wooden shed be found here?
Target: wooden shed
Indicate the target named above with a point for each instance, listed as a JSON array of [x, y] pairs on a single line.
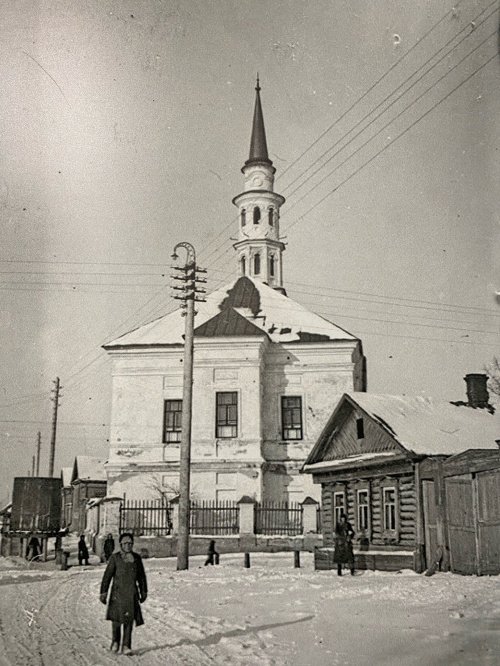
[[391, 462]]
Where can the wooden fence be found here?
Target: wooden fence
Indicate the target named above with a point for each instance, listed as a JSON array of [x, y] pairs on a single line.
[[217, 518], [145, 517], [279, 518]]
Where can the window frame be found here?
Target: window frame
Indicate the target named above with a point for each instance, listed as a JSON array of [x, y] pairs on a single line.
[[226, 424], [176, 428], [284, 428], [243, 215], [360, 427], [257, 264], [257, 215], [271, 216], [360, 528], [337, 509], [392, 531]]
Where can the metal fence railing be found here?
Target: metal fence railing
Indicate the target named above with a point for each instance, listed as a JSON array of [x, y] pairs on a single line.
[[145, 517], [279, 518], [217, 518]]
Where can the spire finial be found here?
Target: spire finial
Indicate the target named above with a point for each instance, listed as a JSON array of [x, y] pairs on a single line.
[[257, 87]]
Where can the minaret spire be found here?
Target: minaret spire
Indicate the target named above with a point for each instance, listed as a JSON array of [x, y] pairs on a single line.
[[258, 143], [259, 246]]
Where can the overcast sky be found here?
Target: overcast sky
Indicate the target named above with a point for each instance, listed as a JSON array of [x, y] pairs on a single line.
[[124, 126]]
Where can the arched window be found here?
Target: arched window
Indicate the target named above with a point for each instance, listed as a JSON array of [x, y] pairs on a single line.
[[243, 217], [256, 264], [272, 263], [271, 217], [256, 215], [243, 262]]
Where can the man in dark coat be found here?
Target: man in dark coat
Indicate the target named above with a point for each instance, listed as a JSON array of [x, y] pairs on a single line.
[[83, 551], [33, 548], [128, 591], [212, 554], [108, 547], [343, 553]]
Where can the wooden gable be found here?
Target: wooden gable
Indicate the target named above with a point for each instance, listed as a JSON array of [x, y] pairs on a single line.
[[354, 432]]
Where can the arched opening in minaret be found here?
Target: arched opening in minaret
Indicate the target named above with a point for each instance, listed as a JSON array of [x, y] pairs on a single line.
[[256, 215], [272, 266], [256, 264], [243, 264], [243, 217], [271, 216]]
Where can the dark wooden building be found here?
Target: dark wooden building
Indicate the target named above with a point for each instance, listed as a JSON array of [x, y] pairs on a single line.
[[417, 479], [88, 481]]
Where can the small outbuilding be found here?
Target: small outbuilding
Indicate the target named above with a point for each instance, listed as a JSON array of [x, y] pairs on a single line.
[[88, 481], [419, 481]]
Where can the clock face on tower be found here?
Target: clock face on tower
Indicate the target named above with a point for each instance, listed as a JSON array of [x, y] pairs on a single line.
[[257, 181]]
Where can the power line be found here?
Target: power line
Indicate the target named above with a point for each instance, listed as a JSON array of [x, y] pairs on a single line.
[[392, 141], [469, 33], [379, 80]]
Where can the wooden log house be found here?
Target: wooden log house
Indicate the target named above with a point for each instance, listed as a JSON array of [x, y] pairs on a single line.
[[382, 460]]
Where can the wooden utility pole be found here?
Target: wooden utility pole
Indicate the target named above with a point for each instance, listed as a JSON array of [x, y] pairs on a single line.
[[55, 400], [38, 446], [32, 465], [189, 289]]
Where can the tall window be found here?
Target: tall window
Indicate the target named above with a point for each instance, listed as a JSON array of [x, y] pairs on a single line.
[[243, 217], [291, 417], [256, 215], [389, 505], [360, 428], [338, 505], [226, 415], [272, 261], [271, 217], [172, 418], [256, 264], [363, 510], [243, 265]]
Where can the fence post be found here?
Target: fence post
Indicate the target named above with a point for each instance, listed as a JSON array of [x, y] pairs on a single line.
[[296, 559], [174, 516], [246, 505], [247, 561], [309, 510]]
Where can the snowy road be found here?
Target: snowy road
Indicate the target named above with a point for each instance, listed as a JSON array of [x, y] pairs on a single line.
[[271, 614]]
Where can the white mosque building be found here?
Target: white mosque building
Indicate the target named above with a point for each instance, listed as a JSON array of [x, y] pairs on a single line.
[[267, 373]]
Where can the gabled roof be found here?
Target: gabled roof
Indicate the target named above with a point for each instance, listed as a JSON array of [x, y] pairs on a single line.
[[66, 474], [228, 323], [421, 425], [279, 317], [86, 468]]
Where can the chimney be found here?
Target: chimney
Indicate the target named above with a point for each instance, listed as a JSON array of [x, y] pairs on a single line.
[[477, 390]]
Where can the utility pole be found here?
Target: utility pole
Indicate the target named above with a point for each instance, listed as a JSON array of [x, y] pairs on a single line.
[[188, 276], [55, 400], [38, 445], [32, 465]]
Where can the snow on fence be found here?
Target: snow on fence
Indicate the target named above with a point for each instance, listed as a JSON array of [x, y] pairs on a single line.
[[145, 517], [280, 518]]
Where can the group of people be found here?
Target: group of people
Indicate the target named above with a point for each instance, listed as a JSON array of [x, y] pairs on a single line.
[[83, 551], [126, 577]]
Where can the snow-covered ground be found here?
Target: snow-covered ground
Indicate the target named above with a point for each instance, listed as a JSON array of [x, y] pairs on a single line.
[[268, 614]]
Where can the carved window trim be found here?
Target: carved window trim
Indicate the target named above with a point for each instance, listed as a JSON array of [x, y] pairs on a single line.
[[390, 509]]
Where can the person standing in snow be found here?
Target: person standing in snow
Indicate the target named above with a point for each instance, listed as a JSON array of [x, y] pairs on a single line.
[[343, 553], [108, 547], [212, 554], [129, 590], [83, 551]]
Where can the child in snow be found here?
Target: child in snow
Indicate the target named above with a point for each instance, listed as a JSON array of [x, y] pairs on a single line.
[[212, 555]]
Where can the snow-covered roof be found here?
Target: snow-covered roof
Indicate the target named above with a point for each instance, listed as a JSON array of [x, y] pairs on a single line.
[[349, 460], [66, 473], [421, 425], [278, 317], [87, 468]]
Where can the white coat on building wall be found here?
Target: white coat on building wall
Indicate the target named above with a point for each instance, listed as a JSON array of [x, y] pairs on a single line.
[[267, 373]]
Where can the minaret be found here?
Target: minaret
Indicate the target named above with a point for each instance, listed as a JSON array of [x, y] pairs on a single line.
[[258, 246]]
